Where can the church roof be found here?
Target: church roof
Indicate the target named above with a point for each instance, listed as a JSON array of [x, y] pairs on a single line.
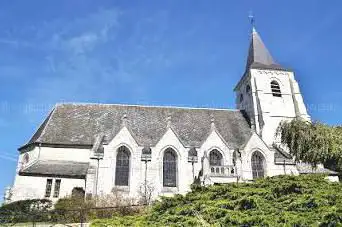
[[56, 168], [258, 55], [79, 124]]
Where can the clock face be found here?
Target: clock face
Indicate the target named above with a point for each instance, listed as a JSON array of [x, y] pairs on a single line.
[[26, 158]]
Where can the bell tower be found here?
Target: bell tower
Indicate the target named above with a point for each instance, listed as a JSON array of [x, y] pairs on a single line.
[[268, 92]]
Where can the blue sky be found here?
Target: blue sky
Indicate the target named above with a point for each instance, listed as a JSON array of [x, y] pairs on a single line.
[[183, 53]]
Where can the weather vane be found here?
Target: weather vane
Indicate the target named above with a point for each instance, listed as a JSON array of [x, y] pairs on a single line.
[[251, 18]]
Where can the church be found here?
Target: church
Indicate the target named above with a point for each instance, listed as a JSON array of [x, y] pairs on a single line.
[[101, 148]]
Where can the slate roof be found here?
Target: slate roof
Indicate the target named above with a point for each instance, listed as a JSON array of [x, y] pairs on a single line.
[[80, 124], [56, 168], [305, 168], [258, 55]]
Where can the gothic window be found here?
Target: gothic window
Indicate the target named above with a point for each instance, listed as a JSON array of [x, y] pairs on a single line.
[[241, 97], [215, 158], [258, 165], [170, 168], [122, 166], [275, 88]]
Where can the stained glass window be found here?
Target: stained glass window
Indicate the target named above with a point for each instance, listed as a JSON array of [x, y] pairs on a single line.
[[122, 166], [257, 165], [170, 168]]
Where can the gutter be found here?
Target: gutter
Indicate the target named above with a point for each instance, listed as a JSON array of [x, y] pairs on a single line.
[[85, 146]]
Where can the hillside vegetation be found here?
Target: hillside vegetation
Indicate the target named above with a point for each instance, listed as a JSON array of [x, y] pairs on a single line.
[[306, 200]]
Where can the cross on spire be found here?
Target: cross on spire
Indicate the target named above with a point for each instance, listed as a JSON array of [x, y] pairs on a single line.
[[251, 19], [258, 54]]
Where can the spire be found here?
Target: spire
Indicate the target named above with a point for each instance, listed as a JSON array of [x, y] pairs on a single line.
[[258, 54]]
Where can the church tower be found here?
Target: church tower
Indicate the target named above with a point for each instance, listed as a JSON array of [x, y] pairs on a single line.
[[268, 92]]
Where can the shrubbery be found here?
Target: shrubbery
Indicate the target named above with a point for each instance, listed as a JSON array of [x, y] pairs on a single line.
[[25, 211], [72, 209], [75, 209], [306, 200]]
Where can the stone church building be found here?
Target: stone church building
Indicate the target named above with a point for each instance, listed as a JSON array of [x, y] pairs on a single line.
[[106, 147]]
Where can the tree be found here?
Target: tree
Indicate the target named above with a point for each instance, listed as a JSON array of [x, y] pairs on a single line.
[[313, 142], [146, 191]]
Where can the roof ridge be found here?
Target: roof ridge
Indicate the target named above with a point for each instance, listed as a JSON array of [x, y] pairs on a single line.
[[147, 106]]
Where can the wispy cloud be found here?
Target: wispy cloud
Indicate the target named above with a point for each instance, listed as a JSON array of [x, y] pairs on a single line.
[[99, 57], [15, 43], [90, 60], [73, 67], [8, 157]]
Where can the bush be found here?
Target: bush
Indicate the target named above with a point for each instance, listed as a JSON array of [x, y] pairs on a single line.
[[116, 199], [25, 211], [74, 209], [305, 200]]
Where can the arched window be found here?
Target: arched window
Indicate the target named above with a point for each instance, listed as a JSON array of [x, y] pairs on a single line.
[[241, 97], [248, 89], [215, 158], [122, 166], [170, 168], [258, 165], [275, 88]]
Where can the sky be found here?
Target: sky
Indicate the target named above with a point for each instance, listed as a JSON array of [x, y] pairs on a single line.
[[166, 52]]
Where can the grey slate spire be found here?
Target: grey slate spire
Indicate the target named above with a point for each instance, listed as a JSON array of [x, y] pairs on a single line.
[[258, 54]]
